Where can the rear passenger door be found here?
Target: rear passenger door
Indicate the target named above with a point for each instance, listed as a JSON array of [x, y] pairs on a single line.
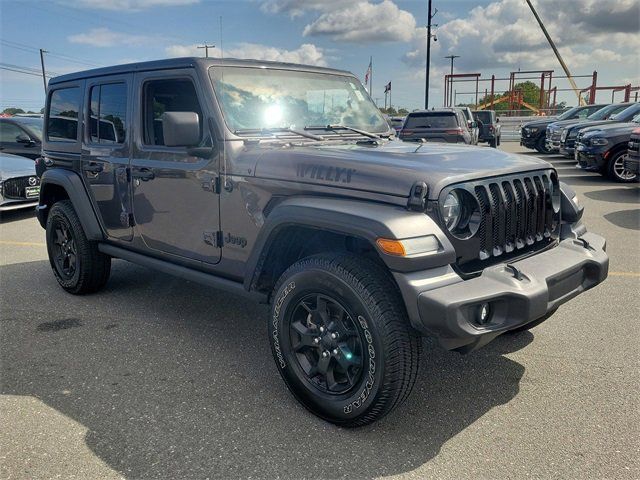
[[175, 194], [105, 152]]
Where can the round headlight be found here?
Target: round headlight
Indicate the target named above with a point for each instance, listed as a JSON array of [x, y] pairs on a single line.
[[451, 210]]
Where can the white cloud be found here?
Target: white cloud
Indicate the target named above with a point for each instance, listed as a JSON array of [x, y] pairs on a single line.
[[128, 5], [297, 8], [505, 34], [103, 37], [307, 53], [364, 22]]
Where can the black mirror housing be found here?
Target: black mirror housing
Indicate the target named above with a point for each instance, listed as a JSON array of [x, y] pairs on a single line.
[[181, 129], [23, 138]]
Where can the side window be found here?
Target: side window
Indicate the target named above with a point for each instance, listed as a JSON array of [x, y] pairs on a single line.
[[108, 113], [9, 132], [62, 118], [169, 95]]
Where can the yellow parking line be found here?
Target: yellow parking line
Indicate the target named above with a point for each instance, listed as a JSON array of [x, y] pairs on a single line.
[[624, 274], [23, 244]]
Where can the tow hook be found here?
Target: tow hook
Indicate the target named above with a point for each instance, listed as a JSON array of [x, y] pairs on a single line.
[[584, 243], [517, 274]]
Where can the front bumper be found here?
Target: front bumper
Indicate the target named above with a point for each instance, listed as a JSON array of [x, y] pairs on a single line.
[[529, 141], [8, 205], [552, 144], [632, 163], [590, 159], [450, 311]]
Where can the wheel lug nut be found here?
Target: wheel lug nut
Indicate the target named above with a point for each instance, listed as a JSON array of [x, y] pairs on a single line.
[[334, 335], [325, 354], [316, 340], [335, 351], [321, 329]]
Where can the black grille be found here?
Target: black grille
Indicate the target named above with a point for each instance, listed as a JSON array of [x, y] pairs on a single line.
[[14, 188], [517, 216], [634, 145]]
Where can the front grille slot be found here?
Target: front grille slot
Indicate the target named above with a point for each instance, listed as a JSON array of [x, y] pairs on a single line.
[[516, 217], [14, 188]]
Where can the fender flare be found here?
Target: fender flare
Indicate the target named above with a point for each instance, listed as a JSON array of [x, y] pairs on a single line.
[[72, 184], [363, 219]]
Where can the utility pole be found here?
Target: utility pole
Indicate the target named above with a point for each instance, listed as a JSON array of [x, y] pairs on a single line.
[[452, 57], [428, 67], [44, 77], [206, 49], [558, 56]]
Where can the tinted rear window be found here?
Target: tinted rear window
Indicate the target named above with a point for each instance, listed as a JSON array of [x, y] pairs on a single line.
[[484, 117], [62, 121], [432, 120]]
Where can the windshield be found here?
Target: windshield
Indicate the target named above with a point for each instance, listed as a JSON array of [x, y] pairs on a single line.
[[569, 113], [432, 120], [260, 98], [627, 114], [606, 112], [34, 125]]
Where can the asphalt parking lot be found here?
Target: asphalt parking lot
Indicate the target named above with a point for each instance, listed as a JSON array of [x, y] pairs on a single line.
[[155, 377]]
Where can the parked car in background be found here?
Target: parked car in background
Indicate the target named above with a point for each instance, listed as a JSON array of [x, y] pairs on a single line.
[[488, 126], [632, 162], [396, 123], [605, 148], [19, 185], [21, 136], [533, 134], [570, 128], [472, 125], [554, 129], [448, 125]]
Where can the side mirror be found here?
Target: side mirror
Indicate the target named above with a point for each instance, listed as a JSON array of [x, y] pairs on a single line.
[[497, 120], [24, 138], [180, 129]]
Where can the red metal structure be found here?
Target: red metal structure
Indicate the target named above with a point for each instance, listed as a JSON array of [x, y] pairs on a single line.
[[515, 99]]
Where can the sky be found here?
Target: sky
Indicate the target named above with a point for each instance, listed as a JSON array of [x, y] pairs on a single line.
[[491, 37]]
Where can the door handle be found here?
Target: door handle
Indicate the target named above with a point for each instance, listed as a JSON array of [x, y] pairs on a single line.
[[93, 167], [144, 174]]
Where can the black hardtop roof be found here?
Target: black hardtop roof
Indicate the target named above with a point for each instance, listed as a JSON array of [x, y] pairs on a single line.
[[190, 62], [435, 110]]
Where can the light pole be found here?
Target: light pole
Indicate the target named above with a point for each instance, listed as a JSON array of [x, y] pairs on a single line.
[[452, 57], [428, 67], [206, 49]]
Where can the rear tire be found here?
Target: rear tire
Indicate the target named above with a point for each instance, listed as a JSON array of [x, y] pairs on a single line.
[[541, 146], [341, 339], [77, 264], [616, 171], [493, 143]]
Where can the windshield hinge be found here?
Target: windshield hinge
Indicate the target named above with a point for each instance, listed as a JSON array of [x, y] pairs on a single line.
[[418, 197]]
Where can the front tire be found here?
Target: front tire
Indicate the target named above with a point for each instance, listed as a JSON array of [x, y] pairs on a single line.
[[616, 170], [77, 264], [541, 145], [341, 339]]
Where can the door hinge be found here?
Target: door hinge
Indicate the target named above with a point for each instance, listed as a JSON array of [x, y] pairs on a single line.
[[213, 238], [128, 171], [215, 185]]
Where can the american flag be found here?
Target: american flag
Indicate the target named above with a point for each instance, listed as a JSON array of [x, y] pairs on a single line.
[[368, 74], [387, 87]]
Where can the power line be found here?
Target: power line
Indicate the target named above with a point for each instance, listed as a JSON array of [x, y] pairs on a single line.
[[30, 48]]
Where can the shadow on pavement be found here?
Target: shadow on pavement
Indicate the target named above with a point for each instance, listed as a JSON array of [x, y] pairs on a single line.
[[15, 215], [629, 219], [175, 380], [616, 195]]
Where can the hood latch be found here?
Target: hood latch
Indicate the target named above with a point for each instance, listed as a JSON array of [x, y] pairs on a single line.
[[418, 197]]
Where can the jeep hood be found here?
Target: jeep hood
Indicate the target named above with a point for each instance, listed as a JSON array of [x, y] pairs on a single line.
[[391, 168]]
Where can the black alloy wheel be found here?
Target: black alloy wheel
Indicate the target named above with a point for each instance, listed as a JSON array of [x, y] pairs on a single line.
[[326, 343], [65, 254], [77, 263]]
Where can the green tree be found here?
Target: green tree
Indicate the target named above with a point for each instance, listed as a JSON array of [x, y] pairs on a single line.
[[12, 110]]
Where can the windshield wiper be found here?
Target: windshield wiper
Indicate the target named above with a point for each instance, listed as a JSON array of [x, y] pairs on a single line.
[[345, 127], [280, 129]]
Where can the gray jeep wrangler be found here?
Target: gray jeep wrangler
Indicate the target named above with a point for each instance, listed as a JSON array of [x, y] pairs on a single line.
[[283, 183]]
